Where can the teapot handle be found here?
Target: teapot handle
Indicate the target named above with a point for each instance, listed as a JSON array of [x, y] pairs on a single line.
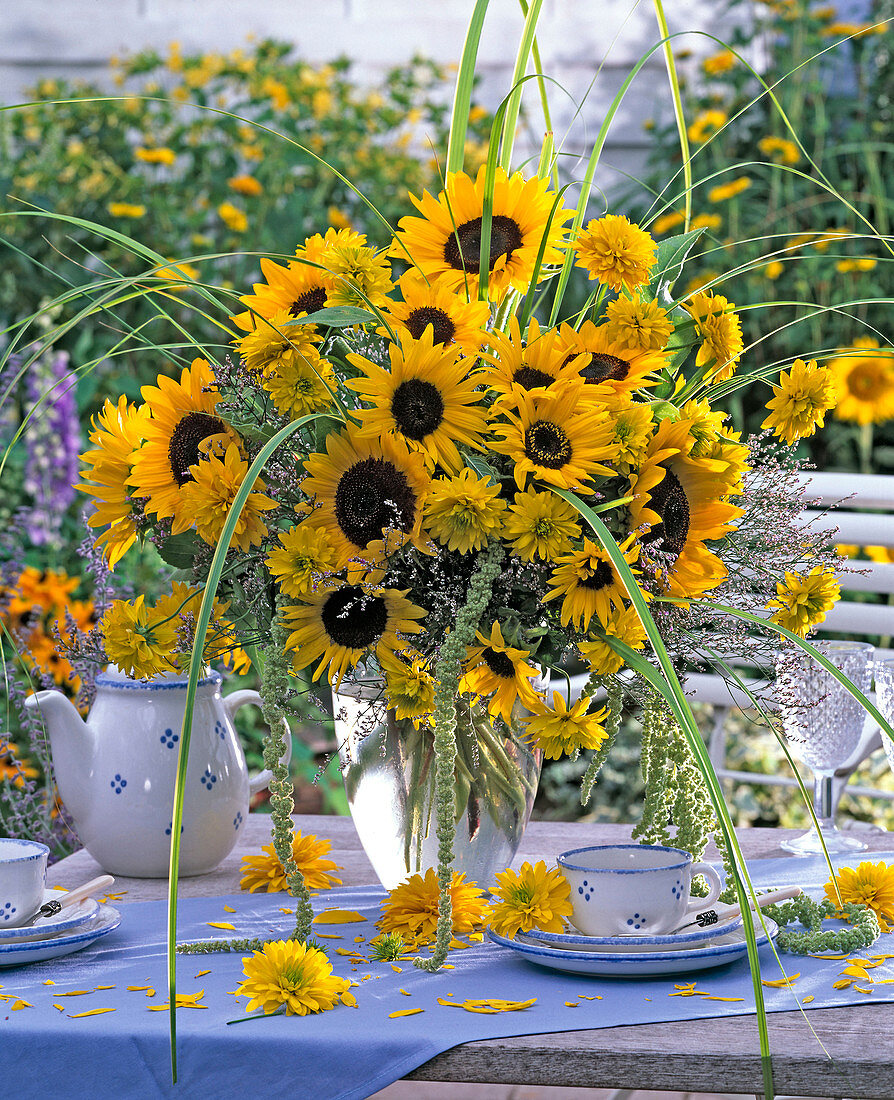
[[238, 699]]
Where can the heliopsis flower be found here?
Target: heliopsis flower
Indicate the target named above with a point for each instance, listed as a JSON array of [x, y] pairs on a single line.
[[304, 553], [719, 63], [183, 417], [720, 332], [428, 399], [864, 380], [800, 401], [637, 325], [464, 512], [724, 191], [859, 263], [667, 221], [265, 872], [160, 155], [558, 435], [181, 607], [493, 668], [126, 210], [871, 884], [773, 269], [802, 600], [623, 624], [632, 426], [589, 584], [117, 435], [615, 251], [705, 125], [411, 909], [294, 975], [409, 685], [360, 276], [319, 247], [342, 624], [232, 217], [608, 363], [561, 729], [245, 185], [534, 363], [274, 338], [299, 380], [445, 243], [780, 150], [297, 289], [531, 898], [540, 525], [209, 496], [705, 221], [134, 641], [365, 487], [453, 320]]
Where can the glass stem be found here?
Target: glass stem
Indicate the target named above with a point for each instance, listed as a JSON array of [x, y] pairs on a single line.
[[823, 800]]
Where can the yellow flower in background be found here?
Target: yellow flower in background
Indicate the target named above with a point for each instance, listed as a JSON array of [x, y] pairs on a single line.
[[338, 219], [637, 325], [589, 584], [855, 30], [864, 382], [300, 383], [411, 909], [780, 150], [178, 272], [706, 221], [265, 872], [533, 897], [292, 975], [773, 269], [830, 236], [208, 497], [880, 554], [729, 190], [540, 525], [494, 668], [802, 600], [277, 91], [870, 884], [667, 221], [137, 640], [800, 401], [705, 125], [160, 155], [561, 730], [245, 185], [464, 512], [719, 63], [615, 251], [623, 624], [126, 210], [303, 555], [720, 332], [861, 263], [409, 685], [232, 217]]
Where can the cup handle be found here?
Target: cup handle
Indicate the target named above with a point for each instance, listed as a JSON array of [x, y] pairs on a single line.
[[716, 887], [232, 703]]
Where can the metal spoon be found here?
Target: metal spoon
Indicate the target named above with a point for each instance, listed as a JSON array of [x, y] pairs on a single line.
[[50, 908]]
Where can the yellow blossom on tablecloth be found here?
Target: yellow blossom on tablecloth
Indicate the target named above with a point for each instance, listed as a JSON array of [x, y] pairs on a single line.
[[411, 909], [264, 872], [870, 884], [294, 975], [532, 898]]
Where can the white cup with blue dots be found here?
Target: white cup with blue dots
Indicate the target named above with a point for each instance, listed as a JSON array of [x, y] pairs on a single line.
[[633, 889], [23, 880]]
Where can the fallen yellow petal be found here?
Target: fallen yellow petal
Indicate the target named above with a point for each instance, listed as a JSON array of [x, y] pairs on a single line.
[[225, 925], [476, 937], [90, 1012], [96, 988], [75, 993], [572, 1004], [780, 983], [397, 969], [843, 983], [828, 956], [201, 973], [856, 972], [806, 1000], [584, 997], [448, 966], [49, 981], [19, 1004], [404, 1012], [859, 989], [329, 936], [351, 953], [339, 916], [359, 939], [711, 997], [404, 992], [229, 909], [60, 1007], [449, 1004]]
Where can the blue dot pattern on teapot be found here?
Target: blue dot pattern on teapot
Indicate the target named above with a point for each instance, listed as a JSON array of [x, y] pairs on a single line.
[[169, 739], [170, 829], [6, 913], [118, 784], [208, 780], [221, 730]]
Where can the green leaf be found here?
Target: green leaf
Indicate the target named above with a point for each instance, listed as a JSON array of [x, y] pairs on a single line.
[[669, 262], [336, 317], [481, 468], [180, 550]]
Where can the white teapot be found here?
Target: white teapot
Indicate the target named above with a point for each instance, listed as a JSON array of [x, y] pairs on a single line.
[[116, 772]]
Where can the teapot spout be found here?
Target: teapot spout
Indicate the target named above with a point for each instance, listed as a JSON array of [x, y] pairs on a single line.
[[72, 743]]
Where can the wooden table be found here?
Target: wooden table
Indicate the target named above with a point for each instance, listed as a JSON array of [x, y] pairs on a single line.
[[716, 1055]]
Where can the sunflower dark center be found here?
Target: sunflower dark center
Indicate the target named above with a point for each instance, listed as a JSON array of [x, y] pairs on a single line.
[[417, 408], [308, 302], [669, 500], [529, 377], [601, 577], [373, 494], [499, 663], [462, 249], [601, 367], [183, 450], [444, 329], [546, 444], [352, 618]]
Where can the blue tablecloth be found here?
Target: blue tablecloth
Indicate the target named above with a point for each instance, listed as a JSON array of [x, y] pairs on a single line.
[[344, 1053]]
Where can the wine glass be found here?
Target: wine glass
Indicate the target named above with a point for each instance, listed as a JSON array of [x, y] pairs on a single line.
[[884, 697], [823, 722]]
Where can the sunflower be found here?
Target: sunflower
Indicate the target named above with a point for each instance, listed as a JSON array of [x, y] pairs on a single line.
[[209, 496], [427, 398], [540, 525], [720, 332], [453, 320], [559, 436], [870, 884], [464, 512], [445, 243], [637, 325], [800, 401], [411, 909], [779, 150], [409, 685], [498, 670], [140, 643], [589, 584], [802, 600], [297, 289], [183, 416], [623, 624], [615, 251], [705, 125], [534, 363], [304, 553], [117, 435], [365, 487], [864, 380], [265, 872], [681, 501], [561, 729], [608, 363], [533, 897], [295, 975], [342, 623]]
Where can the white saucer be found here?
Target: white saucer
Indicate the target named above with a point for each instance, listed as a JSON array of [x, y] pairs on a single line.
[[104, 921], [576, 941], [624, 964], [63, 921]]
